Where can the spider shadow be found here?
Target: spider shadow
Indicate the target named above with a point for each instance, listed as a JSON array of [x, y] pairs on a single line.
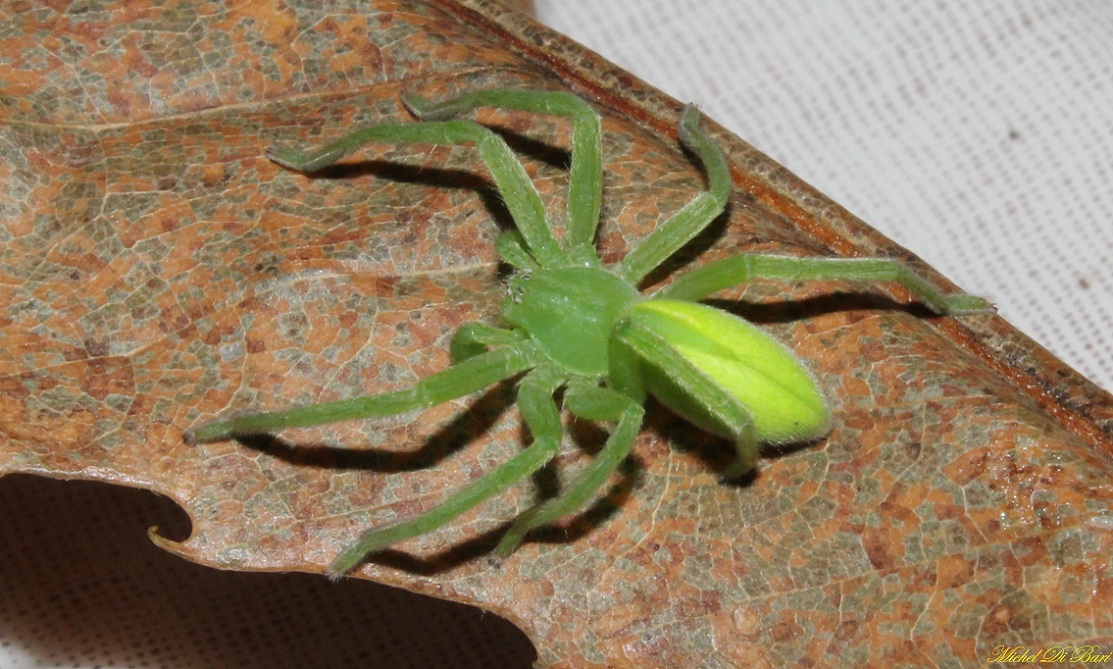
[[839, 301], [476, 419], [440, 177], [566, 531], [476, 178], [714, 453], [587, 437]]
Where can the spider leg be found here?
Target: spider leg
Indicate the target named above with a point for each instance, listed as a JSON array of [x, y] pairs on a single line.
[[592, 403], [511, 249], [585, 184], [705, 403], [704, 281], [518, 192], [677, 231], [465, 378], [541, 416], [475, 338]]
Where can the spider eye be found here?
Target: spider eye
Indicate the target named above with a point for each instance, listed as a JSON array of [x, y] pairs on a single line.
[[745, 363]]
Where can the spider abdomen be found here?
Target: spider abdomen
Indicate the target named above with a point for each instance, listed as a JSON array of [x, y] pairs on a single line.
[[745, 363], [569, 313]]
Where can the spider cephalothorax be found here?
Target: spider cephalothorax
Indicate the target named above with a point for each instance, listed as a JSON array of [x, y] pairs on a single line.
[[572, 323]]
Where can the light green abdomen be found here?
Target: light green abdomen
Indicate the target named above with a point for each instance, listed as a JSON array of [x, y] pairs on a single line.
[[742, 359]]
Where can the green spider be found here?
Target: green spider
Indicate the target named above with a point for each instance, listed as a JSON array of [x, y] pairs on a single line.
[[573, 323]]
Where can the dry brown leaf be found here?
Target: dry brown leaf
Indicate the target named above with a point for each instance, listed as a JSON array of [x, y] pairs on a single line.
[[158, 271]]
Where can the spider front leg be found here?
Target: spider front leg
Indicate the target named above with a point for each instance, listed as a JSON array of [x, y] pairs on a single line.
[[704, 281], [476, 338], [541, 416], [518, 192], [677, 231], [585, 179]]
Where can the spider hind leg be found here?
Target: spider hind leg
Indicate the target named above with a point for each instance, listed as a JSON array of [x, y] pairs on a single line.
[[542, 417], [590, 402]]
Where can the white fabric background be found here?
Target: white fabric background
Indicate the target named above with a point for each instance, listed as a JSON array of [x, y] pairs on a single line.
[[978, 135]]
